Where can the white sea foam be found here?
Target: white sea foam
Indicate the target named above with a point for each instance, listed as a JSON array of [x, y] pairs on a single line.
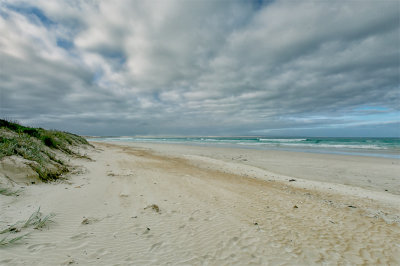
[[338, 146], [282, 140]]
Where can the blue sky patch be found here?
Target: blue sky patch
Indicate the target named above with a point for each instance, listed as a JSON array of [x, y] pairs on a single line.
[[65, 44], [259, 4], [372, 108], [33, 13]]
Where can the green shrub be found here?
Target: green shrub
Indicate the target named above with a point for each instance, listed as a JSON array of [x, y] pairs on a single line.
[[31, 132], [49, 142]]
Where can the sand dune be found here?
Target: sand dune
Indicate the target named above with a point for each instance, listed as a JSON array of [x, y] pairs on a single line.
[[134, 206]]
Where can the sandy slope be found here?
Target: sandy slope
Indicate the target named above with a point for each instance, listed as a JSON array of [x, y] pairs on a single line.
[[212, 211]]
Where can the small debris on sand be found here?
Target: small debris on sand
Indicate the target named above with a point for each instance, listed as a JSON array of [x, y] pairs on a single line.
[[90, 220], [153, 207]]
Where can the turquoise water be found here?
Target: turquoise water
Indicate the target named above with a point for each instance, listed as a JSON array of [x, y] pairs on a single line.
[[377, 147]]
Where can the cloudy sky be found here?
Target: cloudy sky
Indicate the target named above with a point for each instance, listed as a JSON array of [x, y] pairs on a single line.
[[191, 67]]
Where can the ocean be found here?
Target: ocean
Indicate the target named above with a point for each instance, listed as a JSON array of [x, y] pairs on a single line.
[[376, 147]]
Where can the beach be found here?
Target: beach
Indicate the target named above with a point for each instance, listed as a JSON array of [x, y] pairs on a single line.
[[169, 204]]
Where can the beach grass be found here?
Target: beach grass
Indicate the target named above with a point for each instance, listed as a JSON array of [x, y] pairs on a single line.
[[11, 240], [35, 221], [8, 192], [39, 145]]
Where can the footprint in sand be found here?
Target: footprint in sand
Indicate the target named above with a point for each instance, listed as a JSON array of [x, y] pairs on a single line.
[[124, 194], [234, 240], [98, 253], [81, 236], [156, 246], [37, 247], [69, 262]]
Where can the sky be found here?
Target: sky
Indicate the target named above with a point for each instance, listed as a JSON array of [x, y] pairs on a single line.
[[272, 68]]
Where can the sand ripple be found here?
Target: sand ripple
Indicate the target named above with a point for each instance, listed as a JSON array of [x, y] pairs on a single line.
[[206, 217]]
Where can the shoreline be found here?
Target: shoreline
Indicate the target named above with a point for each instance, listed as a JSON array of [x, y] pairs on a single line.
[[313, 172], [273, 144], [350, 170], [160, 204]]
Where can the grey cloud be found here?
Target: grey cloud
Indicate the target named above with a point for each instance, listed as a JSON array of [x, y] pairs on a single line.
[[201, 67]]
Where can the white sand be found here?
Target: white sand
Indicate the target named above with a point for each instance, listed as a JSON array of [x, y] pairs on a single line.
[[217, 207], [361, 171]]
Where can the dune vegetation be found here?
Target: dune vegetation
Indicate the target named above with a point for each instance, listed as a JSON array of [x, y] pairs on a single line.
[[44, 149]]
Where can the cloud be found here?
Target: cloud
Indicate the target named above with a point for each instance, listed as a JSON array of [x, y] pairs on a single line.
[[198, 67]]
